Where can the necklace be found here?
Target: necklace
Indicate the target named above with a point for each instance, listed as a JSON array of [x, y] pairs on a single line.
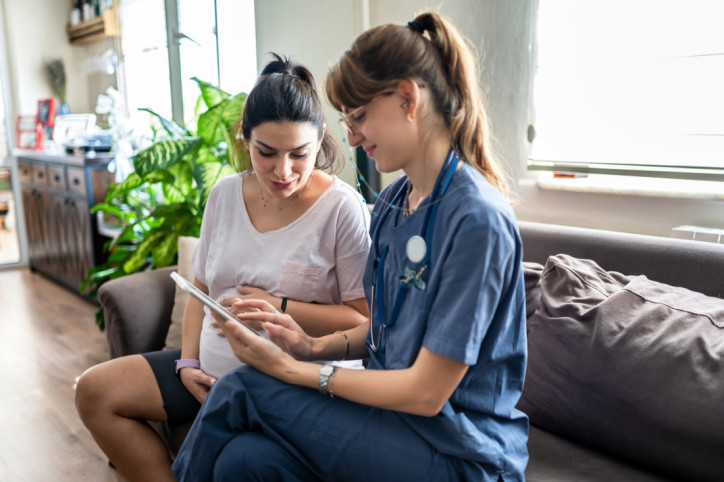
[[265, 202]]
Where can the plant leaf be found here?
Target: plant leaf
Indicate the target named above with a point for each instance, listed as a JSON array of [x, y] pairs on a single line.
[[207, 175], [218, 123], [162, 155], [138, 258], [174, 130], [164, 253], [212, 95], [131, 182]]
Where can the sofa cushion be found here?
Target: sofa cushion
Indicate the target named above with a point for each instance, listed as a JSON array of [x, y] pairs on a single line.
[[628, 366], [557, 459], [531, 276], [186, 246]]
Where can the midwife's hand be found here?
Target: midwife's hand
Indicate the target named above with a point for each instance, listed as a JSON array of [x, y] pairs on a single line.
[[256, 351], [281, 328], [197, 382], [231, 305]]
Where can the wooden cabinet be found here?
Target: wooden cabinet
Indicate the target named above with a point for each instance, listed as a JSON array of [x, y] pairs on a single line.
[[57, 194]]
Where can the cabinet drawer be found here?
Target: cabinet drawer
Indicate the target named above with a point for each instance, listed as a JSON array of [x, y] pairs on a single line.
[[40, 175], [76, 180], [26, 172], [56, 177]]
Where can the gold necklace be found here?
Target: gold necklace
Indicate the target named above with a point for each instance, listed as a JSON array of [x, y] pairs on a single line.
[[293, 196]]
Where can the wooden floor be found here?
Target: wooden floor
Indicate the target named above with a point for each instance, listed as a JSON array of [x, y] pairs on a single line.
[[47, 339]]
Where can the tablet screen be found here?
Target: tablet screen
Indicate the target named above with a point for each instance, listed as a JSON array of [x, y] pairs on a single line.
[[204, 298]]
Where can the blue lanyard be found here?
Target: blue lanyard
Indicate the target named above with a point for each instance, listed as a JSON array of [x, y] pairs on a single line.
[[438, 191]]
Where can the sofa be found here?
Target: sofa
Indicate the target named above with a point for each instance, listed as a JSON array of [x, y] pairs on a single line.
[[622, 384]]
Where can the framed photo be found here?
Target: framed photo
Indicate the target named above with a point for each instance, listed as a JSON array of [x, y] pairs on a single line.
[[25, 123], [70, 126], [26, 127], [46, 112]]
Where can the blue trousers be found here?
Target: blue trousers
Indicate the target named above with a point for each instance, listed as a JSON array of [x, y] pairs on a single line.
[[254, 427]]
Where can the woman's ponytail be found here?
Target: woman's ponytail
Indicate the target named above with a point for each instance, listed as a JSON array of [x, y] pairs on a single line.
[[431, 49], [467, 118]]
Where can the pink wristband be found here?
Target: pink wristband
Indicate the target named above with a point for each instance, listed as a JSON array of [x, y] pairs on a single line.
[[187, 363]]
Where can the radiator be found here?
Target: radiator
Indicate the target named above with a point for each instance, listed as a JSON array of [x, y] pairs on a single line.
[[698, 233]]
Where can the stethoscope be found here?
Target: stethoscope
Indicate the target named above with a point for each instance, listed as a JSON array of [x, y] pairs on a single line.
[[416, 250]]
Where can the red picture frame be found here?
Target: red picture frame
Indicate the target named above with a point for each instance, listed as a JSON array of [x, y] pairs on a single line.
[[29, 135], [46, 112]]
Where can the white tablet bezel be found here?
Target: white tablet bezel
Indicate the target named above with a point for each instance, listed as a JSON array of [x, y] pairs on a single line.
[[185, 285]]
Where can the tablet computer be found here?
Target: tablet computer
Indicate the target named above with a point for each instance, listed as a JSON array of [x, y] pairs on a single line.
[[185, 285]]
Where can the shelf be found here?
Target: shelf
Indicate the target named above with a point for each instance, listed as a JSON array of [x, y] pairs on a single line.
[[104, 26]]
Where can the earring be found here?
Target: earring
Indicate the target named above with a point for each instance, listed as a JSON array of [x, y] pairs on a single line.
[[410, 116]]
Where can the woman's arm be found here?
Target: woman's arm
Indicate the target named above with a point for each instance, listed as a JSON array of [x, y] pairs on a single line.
[[192, 321], [421, 389], [315, 319], [196, 380]]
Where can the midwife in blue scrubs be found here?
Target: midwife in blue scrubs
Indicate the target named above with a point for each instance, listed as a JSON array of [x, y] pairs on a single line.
[[446, 342]]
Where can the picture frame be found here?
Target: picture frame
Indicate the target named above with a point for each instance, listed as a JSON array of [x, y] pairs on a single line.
[[46, 112], [27, 130], [70, 126], [29, 140]]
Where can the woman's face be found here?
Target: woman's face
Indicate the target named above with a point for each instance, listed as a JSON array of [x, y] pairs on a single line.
[[283, 155], [382, 129]]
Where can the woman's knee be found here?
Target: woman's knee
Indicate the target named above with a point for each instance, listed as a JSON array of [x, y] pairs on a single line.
[[254, 456], [91, 391], [114, 386]]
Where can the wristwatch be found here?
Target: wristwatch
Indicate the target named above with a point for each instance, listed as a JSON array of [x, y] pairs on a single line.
[[187, 363], [325, 371]]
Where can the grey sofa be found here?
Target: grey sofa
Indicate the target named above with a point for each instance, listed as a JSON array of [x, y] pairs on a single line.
[[138, 308]]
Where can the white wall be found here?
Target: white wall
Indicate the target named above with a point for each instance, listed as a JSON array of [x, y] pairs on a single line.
[[36, 32], [317, 32]]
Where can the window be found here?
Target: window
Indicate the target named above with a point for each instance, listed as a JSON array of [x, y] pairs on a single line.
[[213, 40], [630, 87]]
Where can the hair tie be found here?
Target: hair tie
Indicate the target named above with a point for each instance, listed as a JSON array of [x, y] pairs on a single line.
[[416, 27]]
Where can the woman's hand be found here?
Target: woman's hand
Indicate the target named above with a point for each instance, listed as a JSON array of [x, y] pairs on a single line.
[[197, 382], [231, 305], [281, 328], [256, 351]]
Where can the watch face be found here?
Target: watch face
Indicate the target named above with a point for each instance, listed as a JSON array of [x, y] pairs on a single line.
[[326, 370]]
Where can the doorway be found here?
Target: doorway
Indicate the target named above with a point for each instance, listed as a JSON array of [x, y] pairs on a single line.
[[9, 240]]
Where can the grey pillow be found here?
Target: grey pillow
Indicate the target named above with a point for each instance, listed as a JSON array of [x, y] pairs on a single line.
[[629, 366], [531, 276]]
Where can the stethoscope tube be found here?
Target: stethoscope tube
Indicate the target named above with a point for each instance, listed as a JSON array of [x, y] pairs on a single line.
[[426, 233]]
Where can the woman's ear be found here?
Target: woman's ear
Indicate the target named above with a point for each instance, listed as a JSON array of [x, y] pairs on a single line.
[[410, 93], [321, 139]]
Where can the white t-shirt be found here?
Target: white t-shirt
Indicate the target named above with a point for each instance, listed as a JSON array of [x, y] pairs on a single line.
[[318, 257]]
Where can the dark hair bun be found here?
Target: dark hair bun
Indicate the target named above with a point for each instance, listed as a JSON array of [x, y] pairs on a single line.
[[287, 66]]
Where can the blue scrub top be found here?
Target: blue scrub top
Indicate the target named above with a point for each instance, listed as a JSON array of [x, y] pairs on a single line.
[[472, 310]]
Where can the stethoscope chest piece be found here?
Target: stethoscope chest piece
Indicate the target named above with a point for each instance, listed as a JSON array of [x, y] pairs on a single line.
[[416, 249]]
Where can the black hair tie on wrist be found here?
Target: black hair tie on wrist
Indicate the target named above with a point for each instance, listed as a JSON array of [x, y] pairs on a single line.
[[416, 27], [284, 305]]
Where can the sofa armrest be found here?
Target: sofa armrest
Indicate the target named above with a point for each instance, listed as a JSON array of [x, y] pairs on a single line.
[[137, 311]]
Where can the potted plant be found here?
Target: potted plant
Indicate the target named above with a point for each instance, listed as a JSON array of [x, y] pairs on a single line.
[[55, 71], [165, 196]]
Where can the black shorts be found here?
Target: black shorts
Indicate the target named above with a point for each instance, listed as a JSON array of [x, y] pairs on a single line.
[[179, 404]]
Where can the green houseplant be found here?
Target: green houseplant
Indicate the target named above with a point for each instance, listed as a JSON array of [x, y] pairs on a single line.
[[164, 197]]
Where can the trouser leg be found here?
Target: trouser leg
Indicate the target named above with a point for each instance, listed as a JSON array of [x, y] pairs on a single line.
[[252, 456], [333, 438]]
